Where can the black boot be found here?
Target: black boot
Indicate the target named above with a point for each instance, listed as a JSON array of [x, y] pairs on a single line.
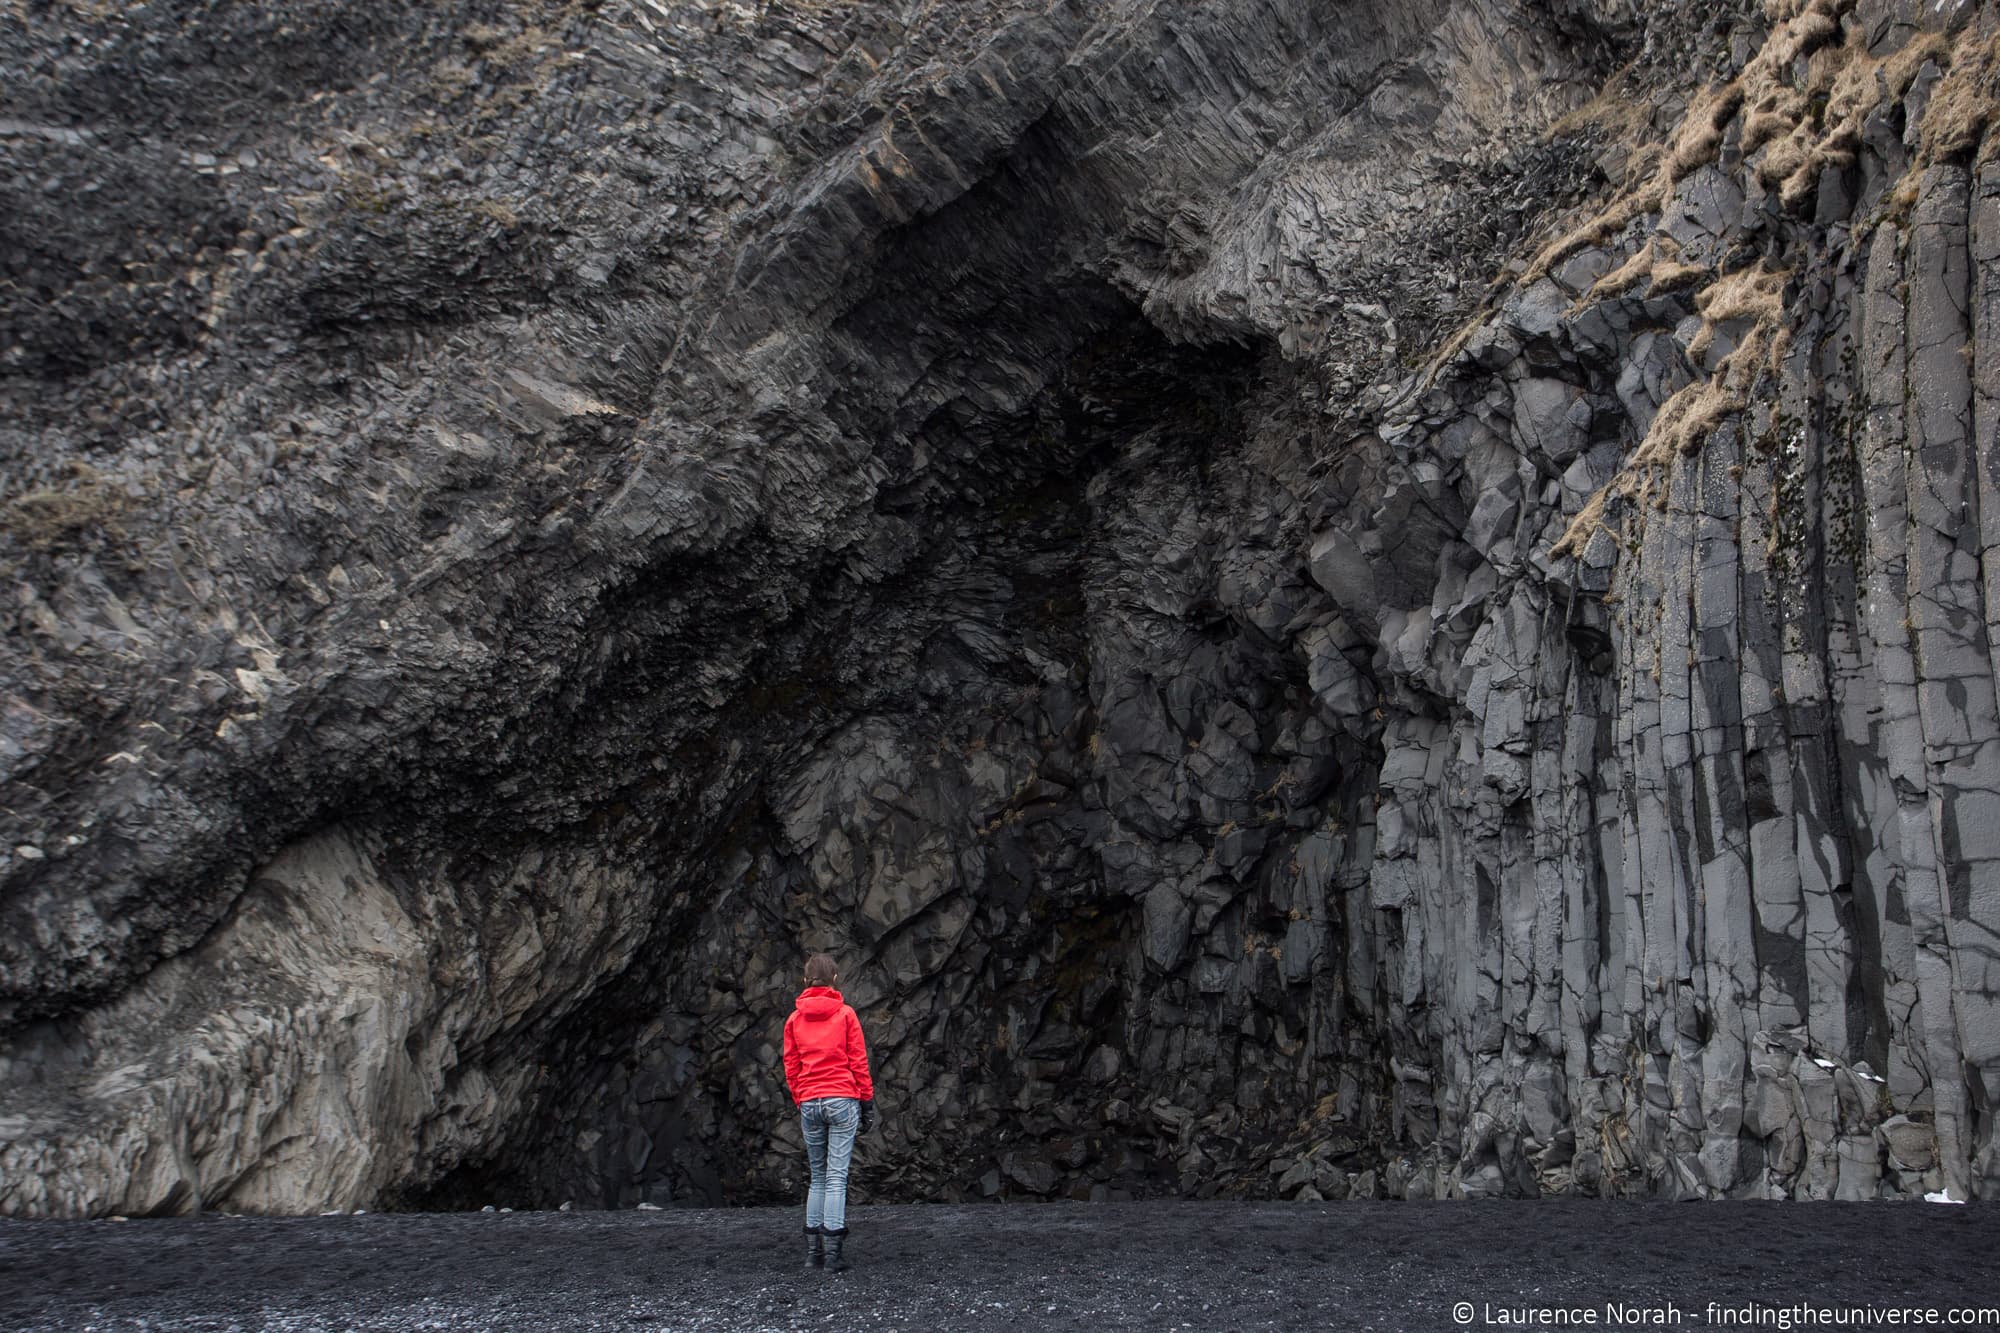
[[815, 1247], [834, 1241]]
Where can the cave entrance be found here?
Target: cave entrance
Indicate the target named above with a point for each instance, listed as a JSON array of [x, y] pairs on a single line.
[[1044, 791]]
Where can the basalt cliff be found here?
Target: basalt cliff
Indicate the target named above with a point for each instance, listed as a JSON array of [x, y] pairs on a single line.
[[1318, 598]]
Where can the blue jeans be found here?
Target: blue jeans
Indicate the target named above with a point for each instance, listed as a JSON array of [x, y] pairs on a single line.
[[830, 1124]]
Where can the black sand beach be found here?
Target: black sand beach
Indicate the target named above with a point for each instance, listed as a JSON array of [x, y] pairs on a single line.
[[1348, 1266]]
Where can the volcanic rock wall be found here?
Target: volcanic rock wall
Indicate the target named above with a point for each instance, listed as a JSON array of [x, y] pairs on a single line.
[[522, 519]]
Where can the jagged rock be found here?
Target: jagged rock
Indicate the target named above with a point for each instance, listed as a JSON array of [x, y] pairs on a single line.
[[1300, 1173], [1030, 1171], [1911, 1145], [1339, 567], [519, 524]]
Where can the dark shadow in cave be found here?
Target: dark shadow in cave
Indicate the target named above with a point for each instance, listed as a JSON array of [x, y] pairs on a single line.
[[661, 1089]]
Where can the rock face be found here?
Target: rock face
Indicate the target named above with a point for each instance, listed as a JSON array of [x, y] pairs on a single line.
[[520, 520]]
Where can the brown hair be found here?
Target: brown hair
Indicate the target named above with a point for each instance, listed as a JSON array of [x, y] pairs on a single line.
[[820, 970]]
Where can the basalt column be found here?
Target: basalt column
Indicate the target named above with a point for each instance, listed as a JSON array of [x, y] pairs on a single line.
[[1315, 599]]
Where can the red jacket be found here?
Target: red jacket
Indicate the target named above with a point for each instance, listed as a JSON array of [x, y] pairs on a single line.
[[824, 1053]]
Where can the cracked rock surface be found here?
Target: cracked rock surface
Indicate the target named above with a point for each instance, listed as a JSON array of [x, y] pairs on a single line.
[[1330, 600]]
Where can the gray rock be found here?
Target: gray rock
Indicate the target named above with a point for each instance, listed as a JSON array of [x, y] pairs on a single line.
[[1029, 1171], [505, 556], [1911, 1146], [1339, 567]]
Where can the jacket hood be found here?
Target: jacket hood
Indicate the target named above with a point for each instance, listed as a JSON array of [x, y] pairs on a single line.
[[819, 1002]]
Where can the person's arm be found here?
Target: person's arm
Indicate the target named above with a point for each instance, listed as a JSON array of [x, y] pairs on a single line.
[[857, 1058], [793, 1061]]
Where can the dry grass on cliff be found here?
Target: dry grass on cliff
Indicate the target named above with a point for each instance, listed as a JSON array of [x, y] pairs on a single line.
[[1619, 108], [1693, 145], [1589, 521], [1634, 272], [43, 517], [1799, 107], [1798, 131], [1752, 298], [1686, 420], [1965, 105], [1656, 266], [1803, 102], [1755, 294]]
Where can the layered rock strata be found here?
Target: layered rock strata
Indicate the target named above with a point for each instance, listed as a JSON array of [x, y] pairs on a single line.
[[522, 518]]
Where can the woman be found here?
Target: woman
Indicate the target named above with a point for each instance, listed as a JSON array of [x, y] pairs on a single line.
[[826, 1068]]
